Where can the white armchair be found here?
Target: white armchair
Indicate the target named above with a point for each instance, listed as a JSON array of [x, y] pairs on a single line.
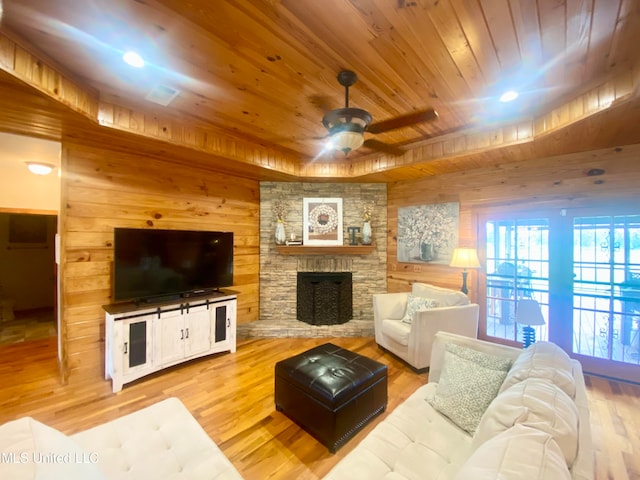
[[410, 335]]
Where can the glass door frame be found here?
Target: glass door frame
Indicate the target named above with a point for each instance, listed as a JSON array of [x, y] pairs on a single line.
[[592, 364], [561, 278], [507, 215]]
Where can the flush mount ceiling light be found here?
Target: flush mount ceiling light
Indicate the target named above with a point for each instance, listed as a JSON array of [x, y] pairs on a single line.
[[133, 59], [508, 96], [40, 168]]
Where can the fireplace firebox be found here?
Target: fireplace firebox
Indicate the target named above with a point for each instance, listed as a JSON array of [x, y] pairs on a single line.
[[324, 298]]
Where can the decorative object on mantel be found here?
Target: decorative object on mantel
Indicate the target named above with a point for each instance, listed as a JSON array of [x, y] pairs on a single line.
[[322, 221], [367, 211], [293, 240], [527, 314], [281, 236], [366, 233], [280, 207], [464, 258], [427, 233], [325, 249], [352, 235]]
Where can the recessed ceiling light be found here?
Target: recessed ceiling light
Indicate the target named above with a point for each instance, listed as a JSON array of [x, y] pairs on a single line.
[[509, 96], [40, 168], [133, 59]]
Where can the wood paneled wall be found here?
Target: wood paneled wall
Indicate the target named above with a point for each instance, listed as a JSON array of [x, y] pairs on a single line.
[[561, 182], [103, 189]]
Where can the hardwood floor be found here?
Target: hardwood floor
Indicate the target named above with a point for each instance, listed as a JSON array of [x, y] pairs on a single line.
[[26, 325], [231, 395]]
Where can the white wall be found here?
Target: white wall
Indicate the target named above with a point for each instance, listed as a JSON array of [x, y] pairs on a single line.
[[21, 189]]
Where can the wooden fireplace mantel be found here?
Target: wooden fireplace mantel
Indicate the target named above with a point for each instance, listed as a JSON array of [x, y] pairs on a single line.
[[325, 250]]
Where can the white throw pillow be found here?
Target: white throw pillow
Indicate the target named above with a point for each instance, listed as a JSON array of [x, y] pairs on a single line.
[[535, 403], [415, 303], [469, 381], [520, 453], [543, 360], [34, 450]]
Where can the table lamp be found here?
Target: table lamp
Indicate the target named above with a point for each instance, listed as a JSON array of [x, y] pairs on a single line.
[[527, 314], [464, 258]]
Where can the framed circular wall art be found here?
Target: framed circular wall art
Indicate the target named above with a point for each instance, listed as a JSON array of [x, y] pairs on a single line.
[[322, 221]]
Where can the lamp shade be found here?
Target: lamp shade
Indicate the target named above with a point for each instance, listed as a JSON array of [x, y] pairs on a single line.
[[529, 313], [464, 258]]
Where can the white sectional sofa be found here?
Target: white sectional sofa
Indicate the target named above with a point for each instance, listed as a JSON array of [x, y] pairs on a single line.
[[162, 441], [488, 412], [517, 414]]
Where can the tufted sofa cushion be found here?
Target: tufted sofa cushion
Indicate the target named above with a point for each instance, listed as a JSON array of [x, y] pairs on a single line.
[[161, 441], [535, 403], [414, 441], [519, 453], [31, 450], [543, 360]]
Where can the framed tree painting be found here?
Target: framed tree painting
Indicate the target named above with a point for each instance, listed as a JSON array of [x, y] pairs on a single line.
[[322, 221], [428, 233]]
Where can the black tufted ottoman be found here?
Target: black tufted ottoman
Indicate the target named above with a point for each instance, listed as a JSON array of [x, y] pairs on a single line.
[[330, 392]]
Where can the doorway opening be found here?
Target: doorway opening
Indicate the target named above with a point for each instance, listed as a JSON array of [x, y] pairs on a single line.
[[28, 277]]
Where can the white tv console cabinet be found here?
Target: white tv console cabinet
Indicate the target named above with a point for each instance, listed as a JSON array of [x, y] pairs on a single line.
[[143, 338]]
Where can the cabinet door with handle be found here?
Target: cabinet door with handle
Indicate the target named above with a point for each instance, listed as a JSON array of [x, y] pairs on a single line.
[[198, 328], [170, 333], [223, 326], [136, 344]]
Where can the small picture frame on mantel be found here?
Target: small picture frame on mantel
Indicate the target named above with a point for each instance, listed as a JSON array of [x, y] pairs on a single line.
[[322, 221]]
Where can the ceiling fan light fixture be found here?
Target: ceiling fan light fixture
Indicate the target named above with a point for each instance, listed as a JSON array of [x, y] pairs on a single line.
[[346, 128], [346, 140], [342, 117]]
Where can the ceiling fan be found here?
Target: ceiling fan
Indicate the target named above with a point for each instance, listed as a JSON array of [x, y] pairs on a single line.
[[347, 125]]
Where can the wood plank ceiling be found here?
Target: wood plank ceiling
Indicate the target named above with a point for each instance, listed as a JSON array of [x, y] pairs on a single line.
[[263, 73]]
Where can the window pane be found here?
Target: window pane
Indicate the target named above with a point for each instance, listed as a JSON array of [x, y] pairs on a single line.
[[517, 256], [607, 287]]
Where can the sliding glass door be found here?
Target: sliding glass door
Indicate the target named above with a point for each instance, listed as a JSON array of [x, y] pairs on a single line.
[[583, 269], [606, 293], [517, 267]]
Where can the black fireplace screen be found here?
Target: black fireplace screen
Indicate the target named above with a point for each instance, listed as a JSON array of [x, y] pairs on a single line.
[[324, 298]]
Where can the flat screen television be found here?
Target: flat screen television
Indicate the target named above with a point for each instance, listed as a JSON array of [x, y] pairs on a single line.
[[154, 265]]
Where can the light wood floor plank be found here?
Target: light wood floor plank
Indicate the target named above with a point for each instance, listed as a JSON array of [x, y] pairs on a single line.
[[231, 396]]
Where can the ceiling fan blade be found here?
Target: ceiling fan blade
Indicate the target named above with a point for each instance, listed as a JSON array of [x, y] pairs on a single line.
[[382, 147], [403, 121]]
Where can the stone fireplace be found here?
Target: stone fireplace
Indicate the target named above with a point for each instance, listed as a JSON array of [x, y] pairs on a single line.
[[279, 271], [324, 298]]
